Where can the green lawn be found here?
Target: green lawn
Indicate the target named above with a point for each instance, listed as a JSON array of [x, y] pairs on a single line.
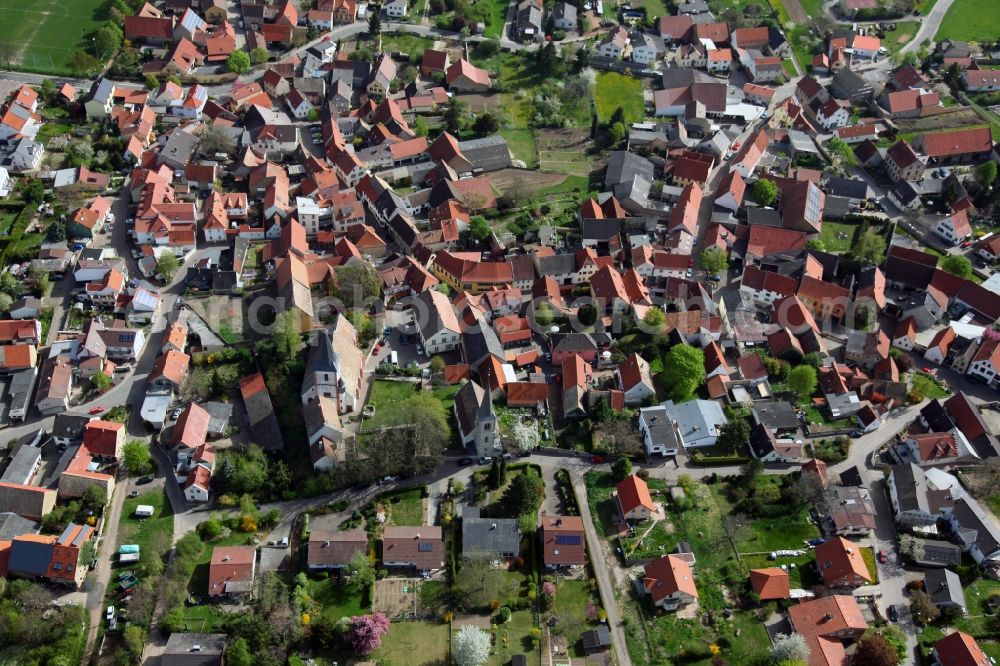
[[514, 638], [664, 639], [868, 554], [925, 385], [901, 36], [50, 130], [838, 236], [337, 600], [386, 397], [414, 644], [412, 45], [406, 508], [51, 30], [203, 618], [570, 606], [973, 20], [522, 145], [141, 531], [801, 576], [7, 217], [925, 6], [613, 90], [498, 12]]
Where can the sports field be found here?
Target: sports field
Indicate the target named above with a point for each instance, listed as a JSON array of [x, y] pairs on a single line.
[[971, 20], [47, 32]]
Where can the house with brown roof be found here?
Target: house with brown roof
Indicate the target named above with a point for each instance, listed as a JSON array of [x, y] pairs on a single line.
[[841, 564], [420, 548], [633, 500], [770, 583], [634, 379], [826, 624], [231, 571], [669, 582], [955, 146], [931, 448], [191, 429], [104, 439], [959, 649], [985, 364], [466, 77], [335, 549], [54, 558], [563, 542], [169, 371]]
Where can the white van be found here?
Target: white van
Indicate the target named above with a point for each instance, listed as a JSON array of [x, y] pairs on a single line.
[[394, 358]]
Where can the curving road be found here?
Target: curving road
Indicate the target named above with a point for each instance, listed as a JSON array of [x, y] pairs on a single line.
[[928, 26]]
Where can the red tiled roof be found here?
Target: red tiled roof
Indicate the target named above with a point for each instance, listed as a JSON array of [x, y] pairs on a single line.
[[633, 493], [668, 575], [770, 583], [960, 649]]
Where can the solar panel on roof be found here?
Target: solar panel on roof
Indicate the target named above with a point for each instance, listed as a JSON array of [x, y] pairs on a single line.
[[568, 540]]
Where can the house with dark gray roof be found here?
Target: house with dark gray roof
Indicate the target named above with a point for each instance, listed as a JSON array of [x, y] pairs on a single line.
[[936, 553], [479, 343], [915, 502], [13, 525], [528, 20], [190, 649], [976, 532], [22, 465], [477, 421], [489, 153], [564, 16], [944, 588], [624, 167], [497, 538]]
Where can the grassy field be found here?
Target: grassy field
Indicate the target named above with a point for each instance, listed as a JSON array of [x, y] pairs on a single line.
[[412, 45], [407, 508], [522, 145], [571, 601], [613, 90], [141, 531], [414, 644], [385, 396], [336, 600], [926, 386], [514, 638], [974, 20], [498, 12], [831, 235], [901, 36], [47, 32]]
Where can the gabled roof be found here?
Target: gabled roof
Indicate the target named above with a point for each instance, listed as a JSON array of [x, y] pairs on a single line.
[[839, 559], [668, 575], [960, 649], [770, 583], [634, 493]]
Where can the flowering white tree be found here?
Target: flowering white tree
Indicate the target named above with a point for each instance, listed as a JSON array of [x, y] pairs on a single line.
[[789, 647], [472, 646]]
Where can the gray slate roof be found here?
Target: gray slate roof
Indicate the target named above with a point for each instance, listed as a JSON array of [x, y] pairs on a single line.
[[944, 587], [493, 536]]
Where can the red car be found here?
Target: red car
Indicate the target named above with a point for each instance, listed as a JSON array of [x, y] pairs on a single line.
[[597, 460], [883, 556], [377, 349], [96, 410]]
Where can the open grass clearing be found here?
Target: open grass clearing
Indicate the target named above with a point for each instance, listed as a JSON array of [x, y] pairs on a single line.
[[522, 145], [336, 599], [927, 386], [406, 508], [613, 90], [572, 599], [411, 45], [386, 396], [514, 638], [142, 531], [838, 236], [415, 643], [971, 20]]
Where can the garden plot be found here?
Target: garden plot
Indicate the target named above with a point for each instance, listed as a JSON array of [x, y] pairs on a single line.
[[397, 597], [565, 151]]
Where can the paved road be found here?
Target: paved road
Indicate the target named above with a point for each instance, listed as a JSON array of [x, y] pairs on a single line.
[[102, 573], [928, 26], [601, 571]]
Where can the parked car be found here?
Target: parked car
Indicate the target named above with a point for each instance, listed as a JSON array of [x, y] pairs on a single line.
[[893, 613], [883, 556], [597, 460], [143, 480], [387, 331], [96, 410], [465, 461], [174, 415], [110, 612]]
